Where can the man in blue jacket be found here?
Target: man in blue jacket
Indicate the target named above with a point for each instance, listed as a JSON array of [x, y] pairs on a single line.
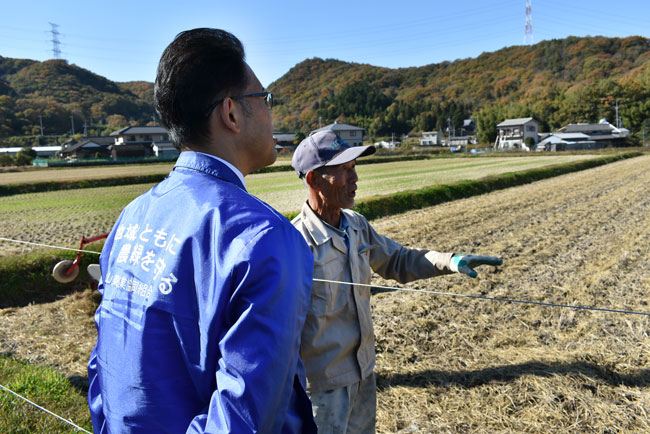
[[205, 287]]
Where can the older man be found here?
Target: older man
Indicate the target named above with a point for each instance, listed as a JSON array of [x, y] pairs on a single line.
[[337, 342], [205, 287]]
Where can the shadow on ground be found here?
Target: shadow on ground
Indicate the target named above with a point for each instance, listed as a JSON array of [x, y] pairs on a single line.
[[508, 373]]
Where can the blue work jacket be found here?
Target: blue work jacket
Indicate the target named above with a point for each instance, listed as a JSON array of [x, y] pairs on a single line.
[[205, 289]]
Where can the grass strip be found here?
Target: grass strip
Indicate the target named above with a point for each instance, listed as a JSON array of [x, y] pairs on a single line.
[[46, 388]]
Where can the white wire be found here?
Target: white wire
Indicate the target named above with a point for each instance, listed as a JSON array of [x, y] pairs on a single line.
[[47, 245], [424, 291], [44, 409], [483, 297]]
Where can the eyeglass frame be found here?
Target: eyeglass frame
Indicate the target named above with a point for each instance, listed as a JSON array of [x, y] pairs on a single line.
[[268, 100]]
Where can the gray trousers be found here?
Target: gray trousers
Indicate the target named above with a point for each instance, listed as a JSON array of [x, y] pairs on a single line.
[[350, 409]]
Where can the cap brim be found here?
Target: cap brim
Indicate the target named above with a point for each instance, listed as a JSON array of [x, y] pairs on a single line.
[[351, 154]]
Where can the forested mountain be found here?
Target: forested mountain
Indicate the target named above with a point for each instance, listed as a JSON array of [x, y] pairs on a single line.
[[557, 82], [54, 91]]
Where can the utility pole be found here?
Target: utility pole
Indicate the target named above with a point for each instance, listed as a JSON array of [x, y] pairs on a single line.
[[56, 50], [40, 119], [85, 129], [72, 120], [618, 122]]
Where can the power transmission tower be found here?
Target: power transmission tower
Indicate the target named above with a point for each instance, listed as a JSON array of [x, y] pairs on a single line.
[[56, 51], [528, 30]]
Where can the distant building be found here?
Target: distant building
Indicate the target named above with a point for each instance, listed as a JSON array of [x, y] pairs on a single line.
[[460, 141], [431, 138], [512, 134], [138, 142], [603, 133], [469, 127], [284, 139], [387, 145], [352, 135], [41, 151], [87, 148], [565, 142]]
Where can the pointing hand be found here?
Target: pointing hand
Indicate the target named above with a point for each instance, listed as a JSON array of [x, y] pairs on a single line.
[[466, 263]]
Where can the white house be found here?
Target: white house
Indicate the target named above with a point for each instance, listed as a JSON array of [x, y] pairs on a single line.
[[387, 145], [352, 135], [512, 133], [147, 135], [137, 142], [431, 138]]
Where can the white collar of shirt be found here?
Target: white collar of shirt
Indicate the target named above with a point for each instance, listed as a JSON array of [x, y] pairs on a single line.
[[230, 166]]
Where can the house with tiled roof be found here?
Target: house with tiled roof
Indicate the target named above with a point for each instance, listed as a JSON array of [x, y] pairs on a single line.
[[351, 134], [137, 142], [87, 147]]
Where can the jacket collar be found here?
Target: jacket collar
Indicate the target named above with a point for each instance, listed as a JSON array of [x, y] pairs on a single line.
[[320, 231], [210, 165]]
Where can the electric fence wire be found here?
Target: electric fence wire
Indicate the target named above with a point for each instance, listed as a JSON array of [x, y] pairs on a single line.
[[484, 297], [422, 291], [45, 410], [47, 245]]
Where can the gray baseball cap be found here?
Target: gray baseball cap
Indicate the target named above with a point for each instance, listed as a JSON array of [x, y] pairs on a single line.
[[325, 148]]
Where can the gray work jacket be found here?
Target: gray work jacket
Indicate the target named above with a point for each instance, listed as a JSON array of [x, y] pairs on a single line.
[[337, 344]]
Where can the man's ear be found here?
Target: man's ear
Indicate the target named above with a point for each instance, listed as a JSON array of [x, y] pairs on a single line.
[[313, 179], [231, 115]]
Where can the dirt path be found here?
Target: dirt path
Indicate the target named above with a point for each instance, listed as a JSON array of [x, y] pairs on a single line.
[[449, 364]]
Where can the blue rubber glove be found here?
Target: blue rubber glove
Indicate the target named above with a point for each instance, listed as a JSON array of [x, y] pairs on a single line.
[[465, 263]]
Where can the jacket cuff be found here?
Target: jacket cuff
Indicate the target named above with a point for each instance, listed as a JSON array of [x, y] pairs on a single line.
[[442, 261]]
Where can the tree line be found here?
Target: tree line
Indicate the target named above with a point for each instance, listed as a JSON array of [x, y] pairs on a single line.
[[557, 82]]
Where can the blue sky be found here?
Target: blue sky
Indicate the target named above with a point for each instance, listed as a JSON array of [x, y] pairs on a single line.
[[123, 40]]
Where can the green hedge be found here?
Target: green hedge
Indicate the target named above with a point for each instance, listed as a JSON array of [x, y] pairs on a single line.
[[414, 199]]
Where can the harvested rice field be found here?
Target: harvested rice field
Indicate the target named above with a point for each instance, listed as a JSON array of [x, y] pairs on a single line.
[[458, 365], [61, 217]]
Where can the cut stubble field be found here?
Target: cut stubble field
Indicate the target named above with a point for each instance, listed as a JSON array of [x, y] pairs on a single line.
[[450, 364], [62, 217]]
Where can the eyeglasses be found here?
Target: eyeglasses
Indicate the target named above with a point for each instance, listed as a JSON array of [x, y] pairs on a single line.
[[268, 100]]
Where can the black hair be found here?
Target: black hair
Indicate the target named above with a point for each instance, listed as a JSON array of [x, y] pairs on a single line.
[[199, 67]]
